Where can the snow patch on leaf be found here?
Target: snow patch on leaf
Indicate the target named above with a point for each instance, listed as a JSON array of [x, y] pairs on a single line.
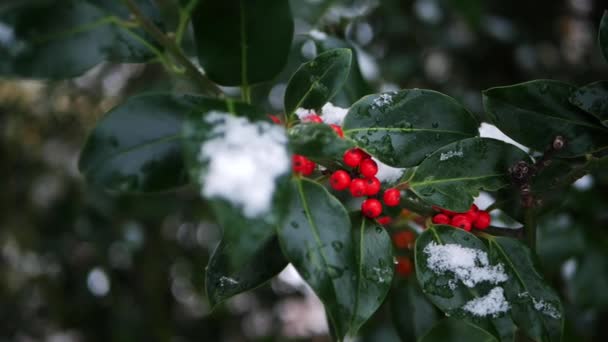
[[491, 304], [450, 154], [333, 115], [243, 160], [383, 100], [542, 306], [388, 174]]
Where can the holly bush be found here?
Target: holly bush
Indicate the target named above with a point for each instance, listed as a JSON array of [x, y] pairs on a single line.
[[370, 204]]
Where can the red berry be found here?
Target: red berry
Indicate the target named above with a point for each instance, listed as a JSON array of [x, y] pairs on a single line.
[[447, 212], [483, 220], [404, 266], [384, 220], [338, 130], [391, 197], [372, 186], [404, 239], [441, 219], [368, 167], [473, 213], [339, 180], [363, 154], [314, 118], [371, 208], [357, 187], [461, 221], [352, 158], [303, 165], [274, 119]]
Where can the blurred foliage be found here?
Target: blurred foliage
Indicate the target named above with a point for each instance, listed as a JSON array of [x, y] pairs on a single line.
[[79, 264]]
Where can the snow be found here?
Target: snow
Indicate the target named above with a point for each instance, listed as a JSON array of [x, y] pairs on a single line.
[[388, 174], [303, 113], [317, 35], [450, 154], [543, 306], [243, 160], [469, 265], [383, 100], [492, 304], [491, 131], [333, 115]]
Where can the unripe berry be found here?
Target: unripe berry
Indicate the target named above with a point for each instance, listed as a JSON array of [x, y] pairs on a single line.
[[461, 221], [314, 118], [339, 180], [404, 239], [338, 130], [371, 208], [441, 219], [372, 186], [368, 168], [391, 197], [384, 220], [483, 220], [357, 187], [404, 266], [352, 157]]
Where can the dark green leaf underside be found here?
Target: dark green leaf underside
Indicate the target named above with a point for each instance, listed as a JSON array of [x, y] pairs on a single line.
[[593, 98]]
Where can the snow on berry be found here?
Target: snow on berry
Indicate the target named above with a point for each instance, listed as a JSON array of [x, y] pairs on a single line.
[[243, 155]]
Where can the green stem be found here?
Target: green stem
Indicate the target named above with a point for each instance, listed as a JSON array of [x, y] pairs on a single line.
[[530, 227], [246, 93], [192, 71], [184, 18]]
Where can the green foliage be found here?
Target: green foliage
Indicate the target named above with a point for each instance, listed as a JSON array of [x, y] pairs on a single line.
[[603, 35], [453, 330], [317, 141], [593, 99]]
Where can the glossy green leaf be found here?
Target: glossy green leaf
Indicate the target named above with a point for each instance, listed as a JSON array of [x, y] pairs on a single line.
[[453, 330], [402, 128], [349, 268], [62, 41], [225, 278], [242, 42], [535, 307], [593, 99], [318, 80], [453, 175], [603, 35], [535, 112], [136, 146], [317, 141], [412, 313]]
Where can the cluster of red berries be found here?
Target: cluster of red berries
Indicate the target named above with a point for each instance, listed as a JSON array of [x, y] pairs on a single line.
[[474, 217], [404, 240], [366, 184]]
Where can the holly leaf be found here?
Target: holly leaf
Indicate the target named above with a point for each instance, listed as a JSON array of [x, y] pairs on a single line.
[[453, 330], [317, 141], [402, 128], [534, 113], [412, 313], [593, 99], [234, 38], [453, 175], [602, 36], [317, 81]]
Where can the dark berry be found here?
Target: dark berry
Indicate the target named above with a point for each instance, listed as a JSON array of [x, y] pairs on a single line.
[[357, 187], [461, 221], [339, 180], [404, 239], [404, 266], [372, 186], [371, 208], [391, 197], [368, 168]]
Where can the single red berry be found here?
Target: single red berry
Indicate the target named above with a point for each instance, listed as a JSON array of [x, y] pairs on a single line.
[[352, 158], [274, 119], [461, 221], [483, 220], [472, 213], [368, 167], [391, 197], [309, 167], [339, 180], [404, 239], [384, 220], [371, 208], [441, 219], [357, 187], [372, 186], [302, 165], [314, 118], [363, 154], [338, 130], [404, 266]]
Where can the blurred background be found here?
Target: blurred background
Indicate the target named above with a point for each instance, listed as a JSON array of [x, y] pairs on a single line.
[[80, 264]]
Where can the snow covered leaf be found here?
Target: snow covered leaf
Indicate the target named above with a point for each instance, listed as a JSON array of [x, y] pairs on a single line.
[[136, 147], [402, 128], [534, 113], [317, 141], [603, 35], [349, 267], [535, 307], [454, 271], [412, 313], [593, 99], [453, 175], [452, 330], [318, 80], [242, 42]]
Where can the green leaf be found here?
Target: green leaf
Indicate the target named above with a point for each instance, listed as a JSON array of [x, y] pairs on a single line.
[[317, 141], [413, 315], [535, 112], [452, 330], [136, 146], [453, 175], [593, 99], [226, 277], [242, 42], [402, 128], [318, 80], [350, 273], [535, 307], [603, 35], [52, 41]]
